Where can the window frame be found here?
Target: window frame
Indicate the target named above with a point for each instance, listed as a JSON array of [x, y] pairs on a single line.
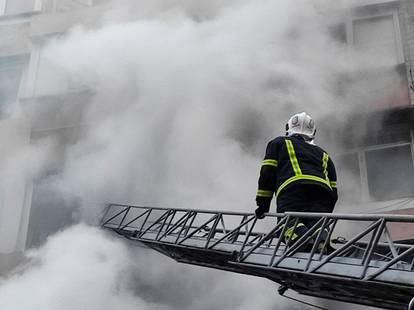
[[21, 61], [54, 8], [361, 152], [37, 5], [349, 29]]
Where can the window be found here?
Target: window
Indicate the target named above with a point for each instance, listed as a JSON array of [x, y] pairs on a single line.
[[378, 133], [377, 37], [50, 210], [11, 69], [382, 79], [65, 5], [50, 77], [390, 172], [13, 7]]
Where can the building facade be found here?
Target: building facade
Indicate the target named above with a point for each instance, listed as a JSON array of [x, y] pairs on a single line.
[[377, 139], [30, 211]]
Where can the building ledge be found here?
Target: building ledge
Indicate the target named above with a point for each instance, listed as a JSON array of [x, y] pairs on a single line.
[[46, 24], [56, 110]]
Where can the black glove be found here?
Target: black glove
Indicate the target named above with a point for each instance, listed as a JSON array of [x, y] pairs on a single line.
[[260, 213]]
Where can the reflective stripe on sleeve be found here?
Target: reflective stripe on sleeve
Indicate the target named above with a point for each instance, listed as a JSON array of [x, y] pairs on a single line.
[[333, 184], [264, 193]]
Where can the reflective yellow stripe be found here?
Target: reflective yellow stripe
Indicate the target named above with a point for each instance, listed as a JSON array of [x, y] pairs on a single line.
[[264, 193], [302, 177], [333, 184], [289, 232], [292, 157], [325, 159], [269, 162]]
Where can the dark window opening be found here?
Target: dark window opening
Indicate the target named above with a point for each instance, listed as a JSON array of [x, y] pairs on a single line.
[[51, 210], [390, 173]]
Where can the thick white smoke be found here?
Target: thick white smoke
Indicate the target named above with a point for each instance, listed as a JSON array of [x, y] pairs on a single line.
[[82, 268], [185, 97], [183, 108]]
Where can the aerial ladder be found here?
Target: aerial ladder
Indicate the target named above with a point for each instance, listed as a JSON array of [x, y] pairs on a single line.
[[358, 263]]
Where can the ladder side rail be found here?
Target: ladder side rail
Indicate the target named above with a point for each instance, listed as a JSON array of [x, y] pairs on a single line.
[[287, 242], [212, 231], [246, 228], [192, 215], [389, 264], [328, 238], [301, 241], [191, 223], [283, 222], [134, 219], [232, 231], [214, 217], [145, 221], [236, 232], [257, 237], [171, 219], [372, 241], [343, 216], [273, 231], [355, 217], [390, 242], [248, 234], [170, 230], [412, 264], [170, 212], [269, 243], [375, 238], [113, 217], [222, 225], [105, 213], [325, 223], [397, 247], [204, 211], [157, 221], [123, 218], [346, 246]]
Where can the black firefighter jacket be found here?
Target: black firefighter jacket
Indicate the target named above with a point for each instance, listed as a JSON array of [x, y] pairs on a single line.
[[291, 161]]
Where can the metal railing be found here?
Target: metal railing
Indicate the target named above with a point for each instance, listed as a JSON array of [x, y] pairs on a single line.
[[368, 252]]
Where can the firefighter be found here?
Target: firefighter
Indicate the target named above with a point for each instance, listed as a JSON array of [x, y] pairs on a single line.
[[300, 174]]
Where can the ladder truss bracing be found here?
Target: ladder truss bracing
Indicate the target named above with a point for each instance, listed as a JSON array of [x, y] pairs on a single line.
[[364, 265]]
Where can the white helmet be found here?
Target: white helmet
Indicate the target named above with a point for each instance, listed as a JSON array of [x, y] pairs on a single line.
[[301, 124]]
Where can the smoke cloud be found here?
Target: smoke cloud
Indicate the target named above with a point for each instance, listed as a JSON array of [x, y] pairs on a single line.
[[184, 98]]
